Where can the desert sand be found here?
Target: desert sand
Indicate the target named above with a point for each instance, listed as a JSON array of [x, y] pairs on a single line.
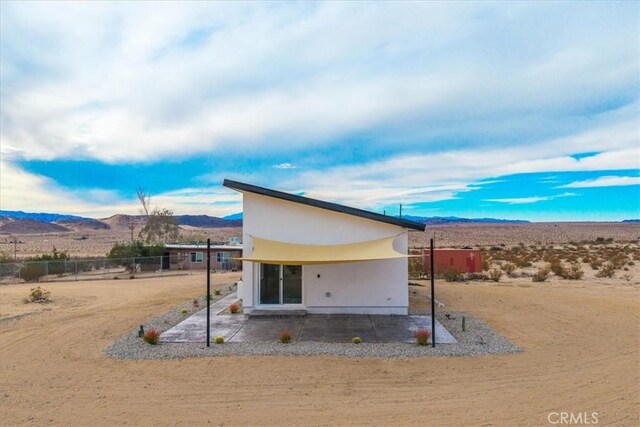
[[580, 341]]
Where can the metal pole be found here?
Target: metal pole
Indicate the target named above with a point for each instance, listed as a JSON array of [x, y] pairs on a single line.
[[433, 297], [208, 292]]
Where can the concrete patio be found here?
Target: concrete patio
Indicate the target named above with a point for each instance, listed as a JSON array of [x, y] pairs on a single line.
[[334, 328]]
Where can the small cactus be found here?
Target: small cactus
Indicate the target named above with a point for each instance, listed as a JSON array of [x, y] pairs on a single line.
[[356, 340], [219, 339]]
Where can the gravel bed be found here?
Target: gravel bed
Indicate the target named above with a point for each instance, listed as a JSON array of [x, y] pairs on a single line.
[[479, 339]]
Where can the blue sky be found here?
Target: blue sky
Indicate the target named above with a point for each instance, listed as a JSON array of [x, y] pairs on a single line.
[[510, 110]]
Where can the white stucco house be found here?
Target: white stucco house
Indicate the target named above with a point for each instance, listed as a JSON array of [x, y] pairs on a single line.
[[306, 254]]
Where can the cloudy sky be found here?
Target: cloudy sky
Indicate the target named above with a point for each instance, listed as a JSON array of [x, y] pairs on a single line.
[[509, 110]]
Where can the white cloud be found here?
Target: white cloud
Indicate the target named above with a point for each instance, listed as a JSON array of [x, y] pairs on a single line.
[[604, 181], [284, 166], [152, 81], [519, 200], [528, 200]]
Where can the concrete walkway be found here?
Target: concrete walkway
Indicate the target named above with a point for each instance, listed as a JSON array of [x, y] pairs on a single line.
[[335, 328]]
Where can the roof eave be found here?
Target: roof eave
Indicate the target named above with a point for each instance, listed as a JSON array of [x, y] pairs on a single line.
[[242, 187]]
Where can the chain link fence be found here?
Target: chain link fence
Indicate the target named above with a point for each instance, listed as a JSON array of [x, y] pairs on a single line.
[[96, 268]]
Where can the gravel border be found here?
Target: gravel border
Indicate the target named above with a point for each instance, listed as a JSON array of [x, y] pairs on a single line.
[[478, 340]]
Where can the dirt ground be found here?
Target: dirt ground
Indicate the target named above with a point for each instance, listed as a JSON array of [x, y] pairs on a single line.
[[580, 342]]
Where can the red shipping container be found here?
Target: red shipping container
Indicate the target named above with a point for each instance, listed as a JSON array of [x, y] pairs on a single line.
[[462, 260]]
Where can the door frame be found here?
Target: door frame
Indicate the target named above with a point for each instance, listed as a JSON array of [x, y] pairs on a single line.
[[281, 287]]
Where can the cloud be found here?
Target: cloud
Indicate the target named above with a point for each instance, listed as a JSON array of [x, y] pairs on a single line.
[[604, 181], [154, 81], [440, 176], [528, 200], [284, 166]]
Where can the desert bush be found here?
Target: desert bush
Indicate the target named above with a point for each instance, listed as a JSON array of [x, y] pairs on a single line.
[[285, 337], [234, 308], [485, 264], [422, 336], [452, 275], [542, 274], [627, 276], [416, 270], [216, 292], [151, 336], [195, 303], [356, 340], [219, 339], [556, 267], [476, 276], [32, 271], [184, 311], [38, 295], [573, 272], [495, 275], [508, 268], [607, 270]]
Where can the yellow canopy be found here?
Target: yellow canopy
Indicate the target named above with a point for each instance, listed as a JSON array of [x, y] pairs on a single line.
[[274, 252]]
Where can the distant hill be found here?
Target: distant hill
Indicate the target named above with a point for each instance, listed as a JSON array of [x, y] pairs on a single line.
[[83, 224], [28, 226], [207, 221], [41, 216], [438, 220], [631, 220]]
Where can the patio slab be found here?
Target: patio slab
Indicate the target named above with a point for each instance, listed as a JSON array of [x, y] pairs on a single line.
[[334, 328]]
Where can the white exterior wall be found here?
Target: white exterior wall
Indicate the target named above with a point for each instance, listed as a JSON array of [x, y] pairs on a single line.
[[371, 287]]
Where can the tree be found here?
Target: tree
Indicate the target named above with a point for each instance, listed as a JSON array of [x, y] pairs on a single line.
[[161, 227], [145, 200]]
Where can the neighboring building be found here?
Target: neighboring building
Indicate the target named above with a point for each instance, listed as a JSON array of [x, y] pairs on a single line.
[[461, 260], [307, 254], [194, 257]]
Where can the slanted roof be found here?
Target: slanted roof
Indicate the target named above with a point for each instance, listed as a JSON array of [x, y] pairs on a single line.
[[242, 187]]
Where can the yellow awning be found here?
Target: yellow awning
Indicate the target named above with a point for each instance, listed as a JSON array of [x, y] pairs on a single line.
[[274, 252]]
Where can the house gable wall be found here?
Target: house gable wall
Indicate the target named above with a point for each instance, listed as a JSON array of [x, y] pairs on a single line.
[[377, 287]]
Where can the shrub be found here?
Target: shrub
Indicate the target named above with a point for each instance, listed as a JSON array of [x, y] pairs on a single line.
[[542, 274], [184, 311], [627, 276], [451, 275], [573, 272], [151, 336], [356, 340], [508, 268], [38, 295], [219, 339], [233, 308], [557, 268], [476, 276], [495, 275], [216, 292], [195, 303], [32, 271], [485, 265], [422, 336], [285, 337], [607, 270]]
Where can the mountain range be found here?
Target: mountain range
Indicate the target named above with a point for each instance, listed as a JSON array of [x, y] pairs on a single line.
[[20, 222]]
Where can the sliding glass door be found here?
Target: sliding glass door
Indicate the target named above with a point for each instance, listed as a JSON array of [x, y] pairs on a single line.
[[280, 284]]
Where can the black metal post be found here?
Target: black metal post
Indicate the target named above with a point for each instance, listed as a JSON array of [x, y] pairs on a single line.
[[433, 297], [208, 292]]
